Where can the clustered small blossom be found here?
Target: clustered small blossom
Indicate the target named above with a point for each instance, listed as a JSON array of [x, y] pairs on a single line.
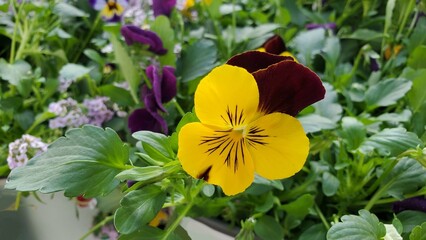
[[24, 148], [93, 111], [69, 114], [108, 232], [97, 111]]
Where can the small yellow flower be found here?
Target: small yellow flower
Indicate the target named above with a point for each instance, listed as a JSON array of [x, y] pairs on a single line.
[[243, 128]]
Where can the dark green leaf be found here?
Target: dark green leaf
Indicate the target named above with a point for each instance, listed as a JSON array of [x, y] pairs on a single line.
[[197, 60], [386, 92], [25, 119], [410, 219], [353, 227], [156, 143], [314, 232], [267, 228], [85, 161], [391, 142], [138, 208], [353, 132], [330, 184], [416, 59], [118, 95], [299, 208]]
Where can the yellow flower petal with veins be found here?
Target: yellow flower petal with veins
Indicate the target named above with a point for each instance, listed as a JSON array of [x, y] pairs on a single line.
[[233, 140]]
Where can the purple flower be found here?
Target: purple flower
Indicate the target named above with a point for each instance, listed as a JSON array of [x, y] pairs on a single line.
[[374, 64], [68, 114], [133, 34], [330, 25], [163, 7], [143, 119], [111, 10], [163, 87], [415, 203], [21, 150], [97, 111], [108, 232]]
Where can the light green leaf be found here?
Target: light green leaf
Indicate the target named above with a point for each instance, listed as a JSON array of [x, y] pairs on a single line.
[[84, 162], [331, 50], [417, 94], [314, 232], [329, 106], [314, 123], [117, 95], [156, 145], [416, 58], [138, 208], [353, 132], [391, 142], [197, 60], [267, 228], [66, 10], [393, 117], [366, 226], [419, 232], [309, 43], [406, 177], [300, 207], [16, 72], [386, 92], [141, 174], [330, 184], [388, 17], [95, 56], [365, 35], [73, 71], [161, 26], [127, 68]]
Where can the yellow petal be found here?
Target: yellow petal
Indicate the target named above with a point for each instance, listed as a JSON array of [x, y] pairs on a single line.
[[107, 12], [219, 156], [261, 49], [288, 54], [278, 145], [228, 96]]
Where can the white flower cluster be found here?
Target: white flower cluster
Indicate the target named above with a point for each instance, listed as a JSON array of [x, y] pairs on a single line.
[[23, 149]]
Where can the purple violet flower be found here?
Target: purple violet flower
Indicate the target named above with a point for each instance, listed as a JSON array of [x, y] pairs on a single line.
[[163, 7], [330, 25], [133, 34], [143, 119], [374, 64], [415, 203], [163, 87]]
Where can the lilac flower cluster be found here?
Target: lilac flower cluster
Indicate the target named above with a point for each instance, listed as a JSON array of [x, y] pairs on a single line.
[[93, 111], [108, 232], [21, 150], [97, 111], [69, 114]]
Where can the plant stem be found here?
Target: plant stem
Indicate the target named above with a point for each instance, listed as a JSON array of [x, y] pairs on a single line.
[[88, 37], [97, 226], [184, 212], [178, 107], [319, 212], [18, 200]]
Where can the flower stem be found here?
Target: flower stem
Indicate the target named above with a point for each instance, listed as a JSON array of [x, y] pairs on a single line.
[[178, 107], [319, 212], [97, 226], [184, 212]]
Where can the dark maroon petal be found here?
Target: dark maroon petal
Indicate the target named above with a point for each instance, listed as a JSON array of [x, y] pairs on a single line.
[[168, 85], [163, 7], [133, 34], [142, 119], [253, 61], [287, 87], [415, 203], [275, 45]]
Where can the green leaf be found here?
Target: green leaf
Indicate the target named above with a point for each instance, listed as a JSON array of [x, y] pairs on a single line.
[[300, 207], [267, 228], [419, 232], [329, 106], [141, 174], [310, 43], [330, 184], [417, 94], [84, 162], [73, 71], [197, 60], [416, 58], [406, 177], [353, 132], [353, 227], [267, 204], [161, 26], [388, 17], [314, 123], [331, 50], [156, 145], [95, 56], [314, 232], [391, 142], [365, 35], [117, 94], [138, 208], [25, 119], [410, 219], [150, 233], [386, 92], [16, 72], [66, 10], [127, 68], [41, 118]]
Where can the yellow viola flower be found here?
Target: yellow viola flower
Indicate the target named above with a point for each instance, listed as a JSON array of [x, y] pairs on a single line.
[[246, 110], [111, 10]]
